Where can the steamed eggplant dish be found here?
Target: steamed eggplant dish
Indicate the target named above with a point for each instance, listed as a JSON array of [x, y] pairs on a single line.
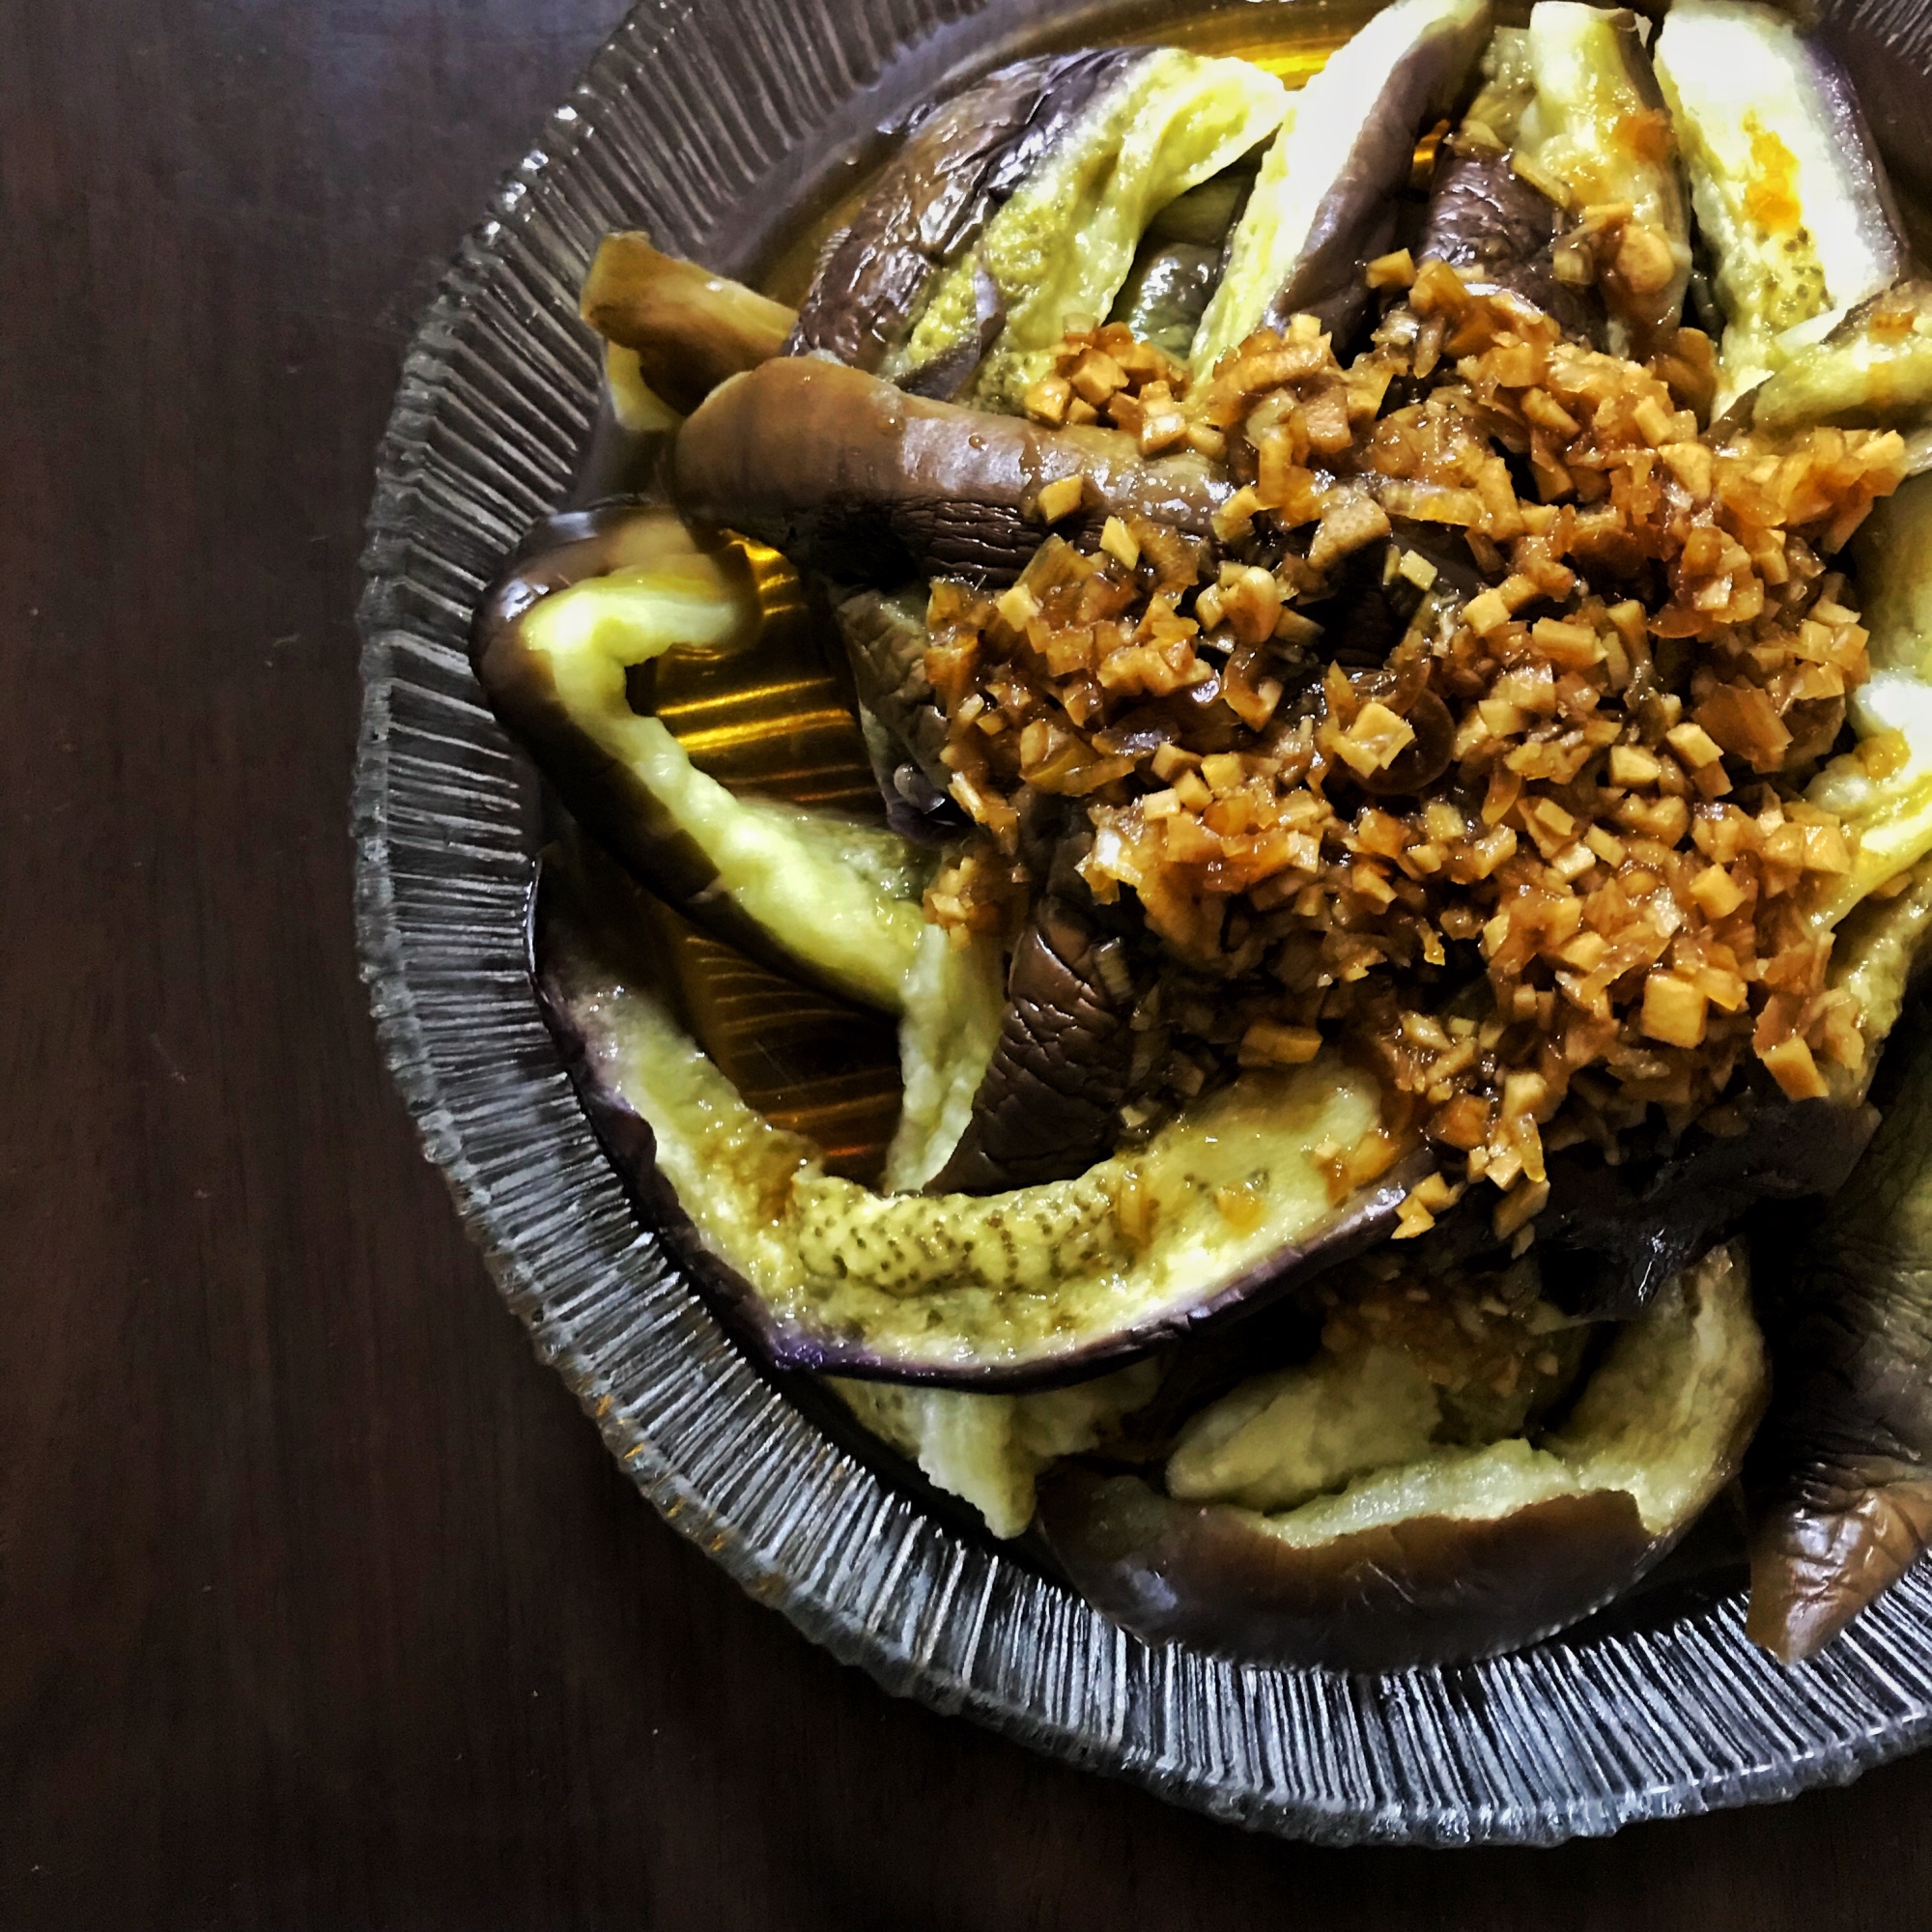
[[1387, 633]]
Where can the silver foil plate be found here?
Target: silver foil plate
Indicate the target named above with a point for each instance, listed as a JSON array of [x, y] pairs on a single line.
[[711, 125]]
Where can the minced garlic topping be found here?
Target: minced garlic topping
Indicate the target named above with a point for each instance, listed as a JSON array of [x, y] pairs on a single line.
[[1538, 851]]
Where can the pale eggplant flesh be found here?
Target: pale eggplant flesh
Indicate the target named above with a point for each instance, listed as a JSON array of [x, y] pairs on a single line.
[[1873, 371], [1597, 127], [879, 486], [1032, 1289], [1454, 1553], [1888, 807], [1324, 200], [1790, 194], [687, 327], [849, 475]]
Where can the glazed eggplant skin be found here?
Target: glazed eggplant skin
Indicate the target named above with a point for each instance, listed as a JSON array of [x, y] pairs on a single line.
[[1487, 222], [1049, 1105], [848, 476], [1449, 1557], [1197, 1574], [962, 162], [1323, 203], [1167, 294], [886, 638], [1573, 103], [806, 893], [1180, 263], [1612, 1237], [1846, 1463]]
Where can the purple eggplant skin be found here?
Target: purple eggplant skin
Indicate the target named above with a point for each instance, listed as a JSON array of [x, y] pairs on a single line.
[[1499, 232], [570, 977], [1610, 1237], [1881, 224], [1426, 1590], [1049, 1105], [619, 462], [1181, 260], [905, 730], [1168, 293], [1845, 1460], [963, 159], [886, 638], [848, 476]]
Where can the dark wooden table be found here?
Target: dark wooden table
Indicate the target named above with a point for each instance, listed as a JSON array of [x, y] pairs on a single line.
[[320, 1603]]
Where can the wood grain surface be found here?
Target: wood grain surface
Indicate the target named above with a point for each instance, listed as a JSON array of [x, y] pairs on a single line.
[[320, 1602]]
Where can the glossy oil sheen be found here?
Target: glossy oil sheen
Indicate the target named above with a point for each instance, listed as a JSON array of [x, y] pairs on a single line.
[[776, 720], [722, 126]]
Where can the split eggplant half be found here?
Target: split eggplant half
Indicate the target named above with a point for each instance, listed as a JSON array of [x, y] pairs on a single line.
[[846, 474], [1563, 184], [1595, 129], [1789, 192], [1883, 789], [1873, 371], [1022, 202], [689, 329], [1325, 201], [672, 332], [1407, 1551], [1062, 244], [1028, 1289], [1848, 1452], [962, 162], [595, 596]]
